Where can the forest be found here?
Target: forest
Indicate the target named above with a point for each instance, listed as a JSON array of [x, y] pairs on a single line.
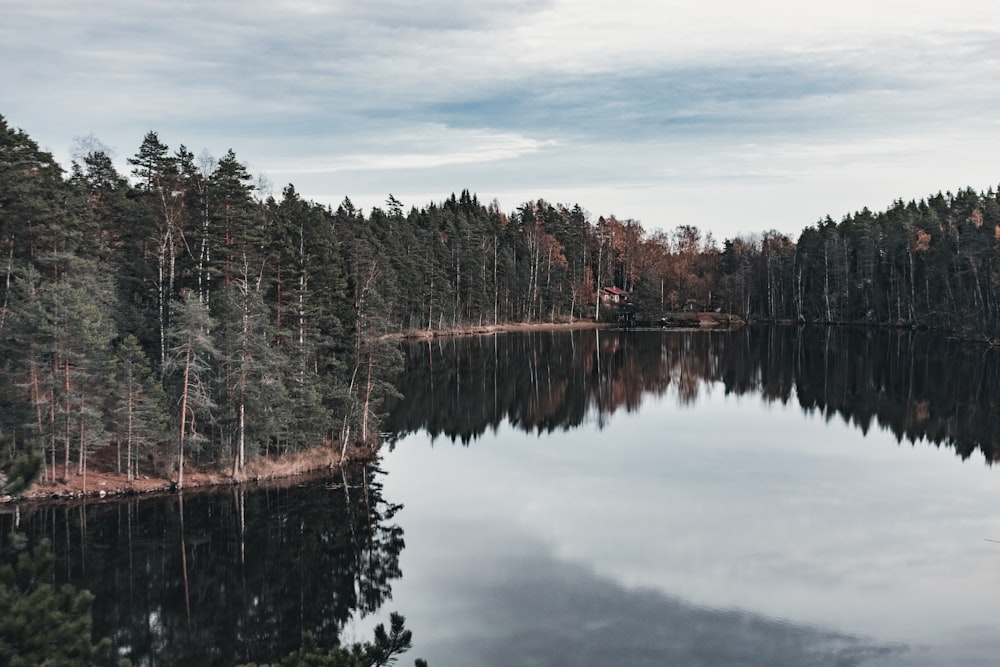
[[182, 314]]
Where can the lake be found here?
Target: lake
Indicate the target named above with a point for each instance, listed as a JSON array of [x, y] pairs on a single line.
[[772, 496]]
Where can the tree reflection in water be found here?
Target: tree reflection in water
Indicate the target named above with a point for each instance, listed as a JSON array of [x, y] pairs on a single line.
[[226, 578], [916, 384]]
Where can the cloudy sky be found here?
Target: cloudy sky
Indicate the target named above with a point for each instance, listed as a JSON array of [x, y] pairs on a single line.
[[737, 117]]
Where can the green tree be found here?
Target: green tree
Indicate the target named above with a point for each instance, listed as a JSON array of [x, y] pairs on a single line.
[[312, 314], [164, 215], [375, 357], [138, 414], [384, 650], [24, 470], [191, 368], [41, 624], [64, 331], [252, 382]]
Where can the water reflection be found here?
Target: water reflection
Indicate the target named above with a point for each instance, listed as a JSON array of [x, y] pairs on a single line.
[[225, 578], [547, 611], [918, 385]]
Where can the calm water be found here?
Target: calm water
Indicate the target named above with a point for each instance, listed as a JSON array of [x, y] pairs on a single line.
[[770, 497], [773, 497]]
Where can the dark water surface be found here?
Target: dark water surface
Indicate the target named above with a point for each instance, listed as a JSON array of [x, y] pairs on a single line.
[[767, 497], [225, 578]]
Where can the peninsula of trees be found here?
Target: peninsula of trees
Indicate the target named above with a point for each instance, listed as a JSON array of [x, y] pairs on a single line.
[[179, 313]]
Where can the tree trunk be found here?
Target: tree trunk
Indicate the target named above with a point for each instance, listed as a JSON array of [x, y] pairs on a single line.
[[303, 282], [368, 393], [430, 307], [129, 474], [83, 448], [83, 457], [52, 430], [66, 434], [6, 296], [826, 279], [239, 460], [161, 311], [37, 400], [184, 398], [496, 286]]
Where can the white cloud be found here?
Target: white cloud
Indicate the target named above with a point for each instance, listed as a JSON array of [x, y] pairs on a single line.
[[638, 107], [438, 147], [599, 32]]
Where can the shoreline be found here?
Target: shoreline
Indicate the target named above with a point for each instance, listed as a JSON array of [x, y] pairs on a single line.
[[488, 329], [318, 461], [322, 460], [107, 485], [694, 321]]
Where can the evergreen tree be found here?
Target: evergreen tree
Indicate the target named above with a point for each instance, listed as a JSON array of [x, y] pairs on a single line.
[[24, 469], [190, 370], [41, 624], [252, 384], [138, 407], [163, 217], [233, 233], [384, 650], [64, 331]]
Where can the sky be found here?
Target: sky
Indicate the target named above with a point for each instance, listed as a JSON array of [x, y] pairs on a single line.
[[735, 117]]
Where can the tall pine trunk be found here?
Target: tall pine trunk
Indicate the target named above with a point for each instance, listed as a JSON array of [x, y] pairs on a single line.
[[184, 398]]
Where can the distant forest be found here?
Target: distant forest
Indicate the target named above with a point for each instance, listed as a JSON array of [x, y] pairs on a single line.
[[178, 312]]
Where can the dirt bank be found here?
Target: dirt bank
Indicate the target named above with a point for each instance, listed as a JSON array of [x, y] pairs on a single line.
[[103, 483], [474, 330], [683, 320], [691, 320]]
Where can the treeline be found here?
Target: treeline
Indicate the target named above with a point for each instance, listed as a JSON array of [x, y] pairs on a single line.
[[933, 263], [181, 310]]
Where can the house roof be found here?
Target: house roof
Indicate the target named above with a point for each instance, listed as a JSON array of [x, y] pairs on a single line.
[[614, 290]]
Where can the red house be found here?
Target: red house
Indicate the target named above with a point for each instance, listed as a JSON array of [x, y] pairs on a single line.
[[613, 295]]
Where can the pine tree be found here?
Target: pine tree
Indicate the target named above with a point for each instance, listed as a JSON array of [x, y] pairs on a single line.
[[383, 651], [41, 624], [138, 406], [64, 331], [190, 368], [252, 384], [163, 220], [24, 470]]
